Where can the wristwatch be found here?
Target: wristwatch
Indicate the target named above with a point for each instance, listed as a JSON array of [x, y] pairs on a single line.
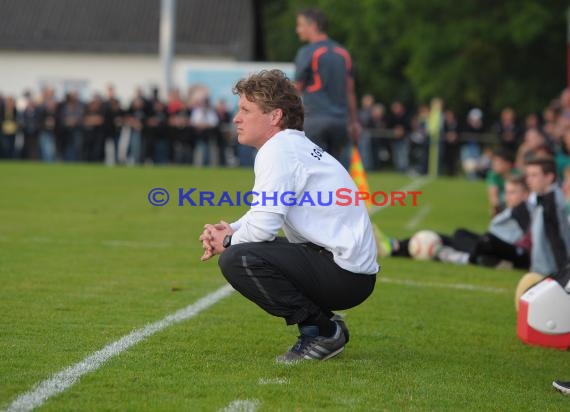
[[227, 242]]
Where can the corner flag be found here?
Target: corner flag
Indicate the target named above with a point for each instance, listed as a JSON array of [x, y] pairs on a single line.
[[358, 174]]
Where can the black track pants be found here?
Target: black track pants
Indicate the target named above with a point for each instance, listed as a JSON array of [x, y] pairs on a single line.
[[294, 281]]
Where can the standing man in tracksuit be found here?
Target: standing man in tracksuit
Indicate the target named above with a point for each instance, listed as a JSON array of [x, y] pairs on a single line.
[[324, 75]]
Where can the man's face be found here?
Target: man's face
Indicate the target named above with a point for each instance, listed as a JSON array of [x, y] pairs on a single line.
[[514, 194], [253, 126], [304, 28], [536, 180]]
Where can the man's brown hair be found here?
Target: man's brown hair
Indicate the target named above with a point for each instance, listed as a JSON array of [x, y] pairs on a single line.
[[546, 164], [270, 90], [317, 16]]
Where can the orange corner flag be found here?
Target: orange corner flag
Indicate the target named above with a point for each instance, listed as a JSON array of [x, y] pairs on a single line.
[[358, 174]]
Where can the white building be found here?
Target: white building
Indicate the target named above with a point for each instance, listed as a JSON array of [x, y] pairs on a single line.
[[87, 44]]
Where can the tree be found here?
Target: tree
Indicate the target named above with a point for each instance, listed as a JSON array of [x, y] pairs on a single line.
[[473, 53]]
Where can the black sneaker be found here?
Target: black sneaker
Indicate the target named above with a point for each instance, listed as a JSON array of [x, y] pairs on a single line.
[[340, 322], [562, 387], [310, 346]]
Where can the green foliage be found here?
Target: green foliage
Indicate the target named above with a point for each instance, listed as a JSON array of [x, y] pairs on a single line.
[[473, 53]]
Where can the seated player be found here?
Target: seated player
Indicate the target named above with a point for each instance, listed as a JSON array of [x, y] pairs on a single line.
[[506, 239], [550, 230]]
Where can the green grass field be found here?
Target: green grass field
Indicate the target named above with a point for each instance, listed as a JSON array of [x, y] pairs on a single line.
[[85, 260]]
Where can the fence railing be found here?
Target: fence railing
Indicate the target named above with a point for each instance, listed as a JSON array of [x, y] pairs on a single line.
[[484, 138]]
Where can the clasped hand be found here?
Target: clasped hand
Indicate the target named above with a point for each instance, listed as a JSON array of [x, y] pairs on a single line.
[[212, 238]]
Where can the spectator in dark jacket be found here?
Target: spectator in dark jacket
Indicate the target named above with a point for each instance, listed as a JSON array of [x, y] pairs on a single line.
[[94, 130], [157, 132], [71, 119], [112, 124], [9, 129], [508, 131], [29, 120], [450, 143], [399, 123], [48, 128]]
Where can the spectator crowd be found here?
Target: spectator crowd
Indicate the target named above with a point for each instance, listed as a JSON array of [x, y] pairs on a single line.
[[191, 129], [465, 143], [183, 130]]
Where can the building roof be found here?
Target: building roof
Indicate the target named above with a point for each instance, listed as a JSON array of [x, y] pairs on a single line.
[[203, 27]]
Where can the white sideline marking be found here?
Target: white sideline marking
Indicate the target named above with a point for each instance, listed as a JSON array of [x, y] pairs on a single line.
[[461, 286], [415, 184], [69, 376], [418, 217], [273, 381], [242, 405]]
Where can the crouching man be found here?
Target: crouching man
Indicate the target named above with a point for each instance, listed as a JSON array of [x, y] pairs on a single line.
[[327, 260]]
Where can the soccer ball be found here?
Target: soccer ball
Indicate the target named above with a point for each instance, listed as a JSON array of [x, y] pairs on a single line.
[[424, 245]]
